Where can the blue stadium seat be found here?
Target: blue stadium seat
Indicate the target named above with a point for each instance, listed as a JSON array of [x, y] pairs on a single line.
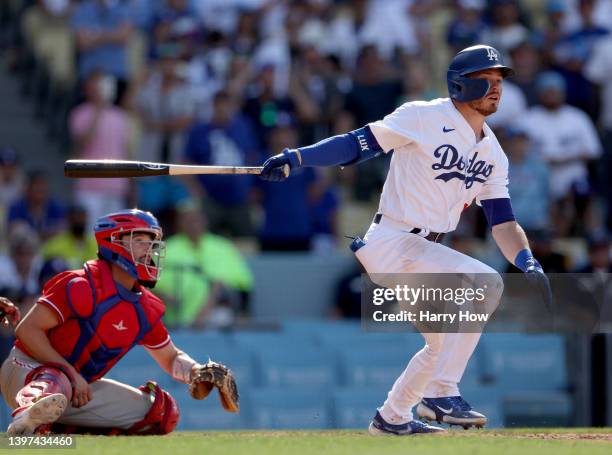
[[290, 408], [261, 341], [372, 366], [201, 345], [208, 414], [537, 409], [526, 362], [354, 407], [137, 367], [306, 366], [341, 340], [314, 328]]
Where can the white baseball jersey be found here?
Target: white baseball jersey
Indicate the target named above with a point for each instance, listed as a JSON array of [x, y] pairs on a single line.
[[438, 167]]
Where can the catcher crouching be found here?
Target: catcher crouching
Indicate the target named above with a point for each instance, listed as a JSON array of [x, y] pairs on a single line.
[[83, 323]]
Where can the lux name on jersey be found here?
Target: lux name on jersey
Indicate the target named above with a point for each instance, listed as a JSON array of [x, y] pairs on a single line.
[[449, 158]]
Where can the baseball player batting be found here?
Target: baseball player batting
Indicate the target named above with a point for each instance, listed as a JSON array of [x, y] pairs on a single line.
[[445, 158], [83, 323]]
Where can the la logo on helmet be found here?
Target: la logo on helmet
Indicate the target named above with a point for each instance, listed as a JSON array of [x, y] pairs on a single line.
[[492, 54]]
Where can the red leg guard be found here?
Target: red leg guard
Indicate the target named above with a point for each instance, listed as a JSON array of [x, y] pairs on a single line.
[[163, 416], [41, 382]]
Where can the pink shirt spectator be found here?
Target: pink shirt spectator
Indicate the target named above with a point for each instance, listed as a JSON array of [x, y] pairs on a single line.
[[109, 141]]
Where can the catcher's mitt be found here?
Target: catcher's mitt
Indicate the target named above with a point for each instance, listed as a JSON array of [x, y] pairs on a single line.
[[213, 374]]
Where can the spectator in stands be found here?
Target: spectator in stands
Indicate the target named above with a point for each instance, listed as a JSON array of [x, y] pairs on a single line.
[[166, 108], [314, 84], [465, 30], [376, 92], [11, 186], [397, 25], [506, 30], [206, 281], [20, 268], [553, 31], [244, 41], [228, 139], [102, 29], [526, 64], [266, 104], [529, 180], [324, 207], [74, 246], [176, 23], [288, 224], [599, 255], [566, 139], [417, 85], [37, 208], [166, 111], [100, 130], [11, 177], [598, 70], [572, 52]]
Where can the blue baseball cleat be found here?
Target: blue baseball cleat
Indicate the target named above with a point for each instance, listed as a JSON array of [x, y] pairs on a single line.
[[379, 427], [451, 410]]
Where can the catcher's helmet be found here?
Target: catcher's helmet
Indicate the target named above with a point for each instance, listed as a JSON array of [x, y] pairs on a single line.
[[470, 60], [110, 231]]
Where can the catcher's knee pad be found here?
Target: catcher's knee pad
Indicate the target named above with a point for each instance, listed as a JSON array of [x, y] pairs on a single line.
[[163, 416], [43, 381]]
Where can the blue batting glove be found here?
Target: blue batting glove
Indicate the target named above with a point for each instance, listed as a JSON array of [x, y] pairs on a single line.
[[535, 275], [278, 167]]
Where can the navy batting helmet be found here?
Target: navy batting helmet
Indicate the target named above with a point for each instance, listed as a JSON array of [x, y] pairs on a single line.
[[470, 60]]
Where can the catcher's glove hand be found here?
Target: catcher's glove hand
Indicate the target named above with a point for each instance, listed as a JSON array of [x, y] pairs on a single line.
[[213, 374]]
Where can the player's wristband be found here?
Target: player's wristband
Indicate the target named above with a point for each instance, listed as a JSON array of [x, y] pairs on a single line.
[[525, 261], [294, 156], [182, 367]]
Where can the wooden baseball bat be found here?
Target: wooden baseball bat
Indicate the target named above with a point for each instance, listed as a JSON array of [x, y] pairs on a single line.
[[118, 168]]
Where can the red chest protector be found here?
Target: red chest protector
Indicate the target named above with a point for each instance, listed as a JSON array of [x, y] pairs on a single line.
[[108, 320]]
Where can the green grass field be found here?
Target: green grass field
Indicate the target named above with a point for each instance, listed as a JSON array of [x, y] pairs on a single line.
[[457, 442]]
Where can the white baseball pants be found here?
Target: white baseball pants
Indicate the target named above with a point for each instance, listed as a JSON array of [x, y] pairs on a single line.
[[435, 370]]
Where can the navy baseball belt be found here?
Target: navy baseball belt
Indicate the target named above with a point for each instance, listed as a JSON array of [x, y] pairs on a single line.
[[432, 236]]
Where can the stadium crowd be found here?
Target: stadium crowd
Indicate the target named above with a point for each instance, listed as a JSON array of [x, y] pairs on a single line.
[[230, 82]]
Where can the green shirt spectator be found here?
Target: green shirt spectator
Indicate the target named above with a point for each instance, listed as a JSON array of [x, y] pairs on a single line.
[[72, 245], [198, 270]]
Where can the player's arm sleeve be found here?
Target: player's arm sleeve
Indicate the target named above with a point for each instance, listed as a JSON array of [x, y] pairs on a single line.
[[157, 338], [350, 148], [401, 127], [498, 211]]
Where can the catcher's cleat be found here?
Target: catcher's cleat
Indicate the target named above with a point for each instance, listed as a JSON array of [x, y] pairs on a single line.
[[44, 411], [451, 410], [378, 427]]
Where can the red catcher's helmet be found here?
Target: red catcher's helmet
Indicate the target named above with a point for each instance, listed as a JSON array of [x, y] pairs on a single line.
[[110, 233]]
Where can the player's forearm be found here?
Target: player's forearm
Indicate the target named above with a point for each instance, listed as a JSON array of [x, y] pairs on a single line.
[[348, 148], [510, 239], [38, 345]]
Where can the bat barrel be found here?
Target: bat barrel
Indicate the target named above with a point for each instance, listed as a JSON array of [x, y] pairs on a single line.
[[113, 168]]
